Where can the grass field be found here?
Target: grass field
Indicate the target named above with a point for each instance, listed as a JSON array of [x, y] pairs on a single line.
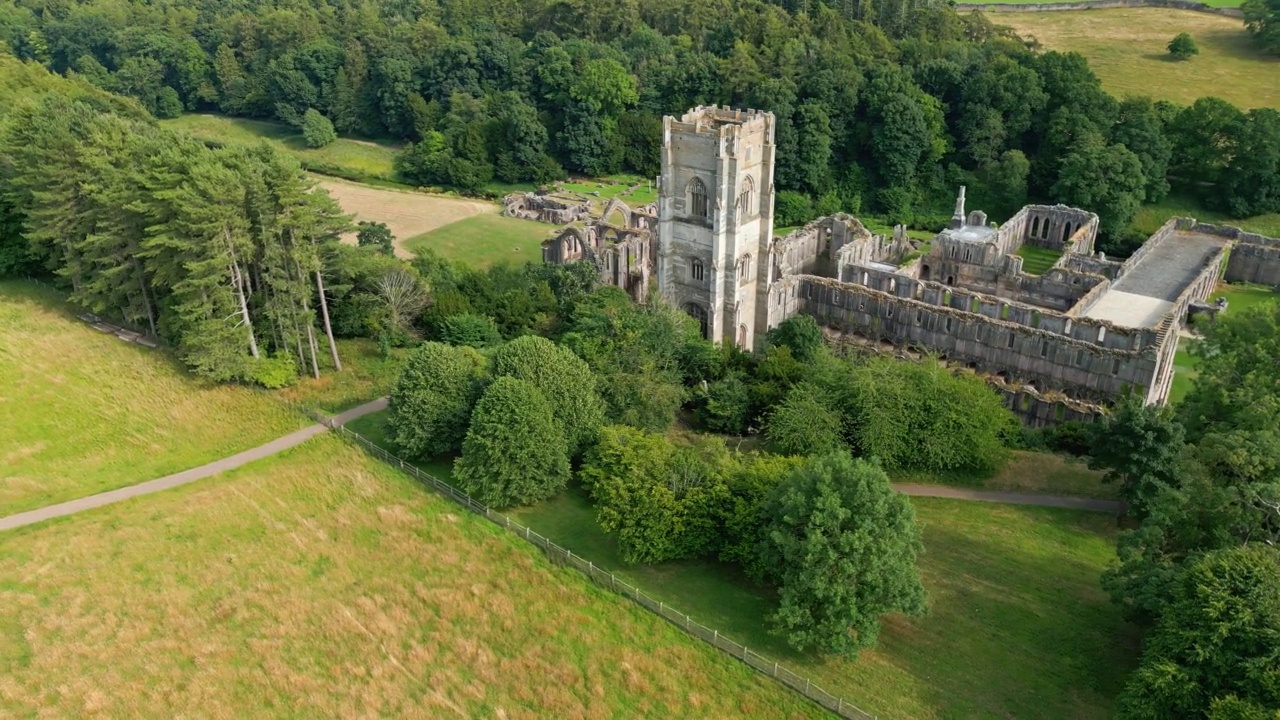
[[1126, 48], [319, 583], [486, 240], [1036, 260], [359, 160], [407, 213], [1018, 626], [82, 412], [1032, 472]]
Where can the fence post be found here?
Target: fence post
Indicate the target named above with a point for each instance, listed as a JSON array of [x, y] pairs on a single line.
[[807, 683], [775, 669], [686, 623], [840, 705]]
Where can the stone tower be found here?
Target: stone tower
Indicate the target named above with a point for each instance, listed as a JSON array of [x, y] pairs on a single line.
[[715, 220]]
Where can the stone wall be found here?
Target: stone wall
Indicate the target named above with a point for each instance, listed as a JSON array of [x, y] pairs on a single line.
[[1255, 258], [1087, 358], [1099, 5]]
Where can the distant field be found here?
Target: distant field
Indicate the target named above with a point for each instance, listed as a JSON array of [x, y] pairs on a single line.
[[82, 412], [486, 240], [321, 584], [1018, 625], [1126, 48], [406, 213], [352, 159], [1210, 3], [1151, 217]]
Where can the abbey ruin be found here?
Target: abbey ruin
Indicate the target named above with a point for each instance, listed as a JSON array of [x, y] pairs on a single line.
[[1059, 345]]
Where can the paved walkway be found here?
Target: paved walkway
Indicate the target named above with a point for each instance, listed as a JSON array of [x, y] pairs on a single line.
[[1059, 501], [187, 476]]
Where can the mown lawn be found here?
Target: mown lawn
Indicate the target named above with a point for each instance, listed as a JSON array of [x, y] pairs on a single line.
[[1127, 49], [359, 160], [1041, 473], [82, 412], [320, 583], [1018, 625], [1036, 260], [486, 240]]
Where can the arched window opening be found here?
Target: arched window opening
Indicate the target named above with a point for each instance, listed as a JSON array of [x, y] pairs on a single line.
[[695, 269], [697, 312], [698, 198], [746, 196], [744, 268], [742, 336]]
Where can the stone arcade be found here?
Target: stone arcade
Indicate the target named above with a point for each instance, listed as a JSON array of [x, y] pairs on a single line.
[[1060, 345]]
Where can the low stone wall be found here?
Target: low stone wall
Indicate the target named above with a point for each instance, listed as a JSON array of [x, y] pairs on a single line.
[[1098, 5]]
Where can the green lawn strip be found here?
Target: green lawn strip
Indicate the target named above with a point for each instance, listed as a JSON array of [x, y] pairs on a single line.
[[1037, 260], [1038, 473], [1239, 297], [359, 160], [485, 240], [1018, 625], [1150, 217]]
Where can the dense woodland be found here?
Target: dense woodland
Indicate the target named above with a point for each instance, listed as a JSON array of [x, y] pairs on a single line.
[[883, 106]]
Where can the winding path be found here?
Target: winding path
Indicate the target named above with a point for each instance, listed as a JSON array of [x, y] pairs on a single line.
[[187, 476], [300, 436]]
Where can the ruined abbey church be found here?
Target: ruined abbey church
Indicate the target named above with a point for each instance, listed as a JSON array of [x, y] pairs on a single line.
[[1059, 345]]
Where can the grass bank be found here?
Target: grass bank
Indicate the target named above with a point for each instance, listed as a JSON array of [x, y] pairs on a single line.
[[84, 412], [486, 240], [1127, 50], [320, 583], [1018, 625]]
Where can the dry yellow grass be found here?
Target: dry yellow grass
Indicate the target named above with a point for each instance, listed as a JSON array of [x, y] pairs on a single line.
[[1127, 49], [82, 412], [321, 584], [407, 213]]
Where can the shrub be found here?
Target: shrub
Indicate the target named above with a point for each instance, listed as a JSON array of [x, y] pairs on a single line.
[[430, 406], [317, 131], [803, 424], [726, 405], [273, 372], [563, 378], [168, 104], [1182, 47], [478, 331], [513, 453], [375, 234], [791, 208], [801, 334]]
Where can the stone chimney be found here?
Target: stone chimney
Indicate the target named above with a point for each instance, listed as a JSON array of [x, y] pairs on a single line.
[[957, 218]]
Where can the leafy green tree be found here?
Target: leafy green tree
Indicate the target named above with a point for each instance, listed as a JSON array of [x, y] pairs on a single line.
[[429, 409], [1250, 184], [317, 131], [1006, 182], [655, 498], [800, 334], [1217, 642], [167, 103], [1202, 136], [841, 546], [1262, 17], [375, 234], [803, 424], [1104, 177], [726, 405], [1141, 129], [1140, 448], [563, 379], [1183, 47], [792, 208], [513, 453]]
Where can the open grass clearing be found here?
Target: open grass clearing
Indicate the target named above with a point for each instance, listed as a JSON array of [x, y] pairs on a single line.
[[486, 240], [407, 213], [1018, 625], [1037, 260], [320, 583], [361, 160], [1151, 217], [83, 412], [1127, 49], [366, 375], [1037, 473]]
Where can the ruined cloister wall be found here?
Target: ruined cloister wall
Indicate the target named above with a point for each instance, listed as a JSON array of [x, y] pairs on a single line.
[[1255, 258], [1088, 359], [1057, 227]]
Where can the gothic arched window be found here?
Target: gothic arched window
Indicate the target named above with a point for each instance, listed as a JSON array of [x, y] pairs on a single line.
[[698, 199], [746, 196], [695, 269], [744, 268], [697, 312]]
